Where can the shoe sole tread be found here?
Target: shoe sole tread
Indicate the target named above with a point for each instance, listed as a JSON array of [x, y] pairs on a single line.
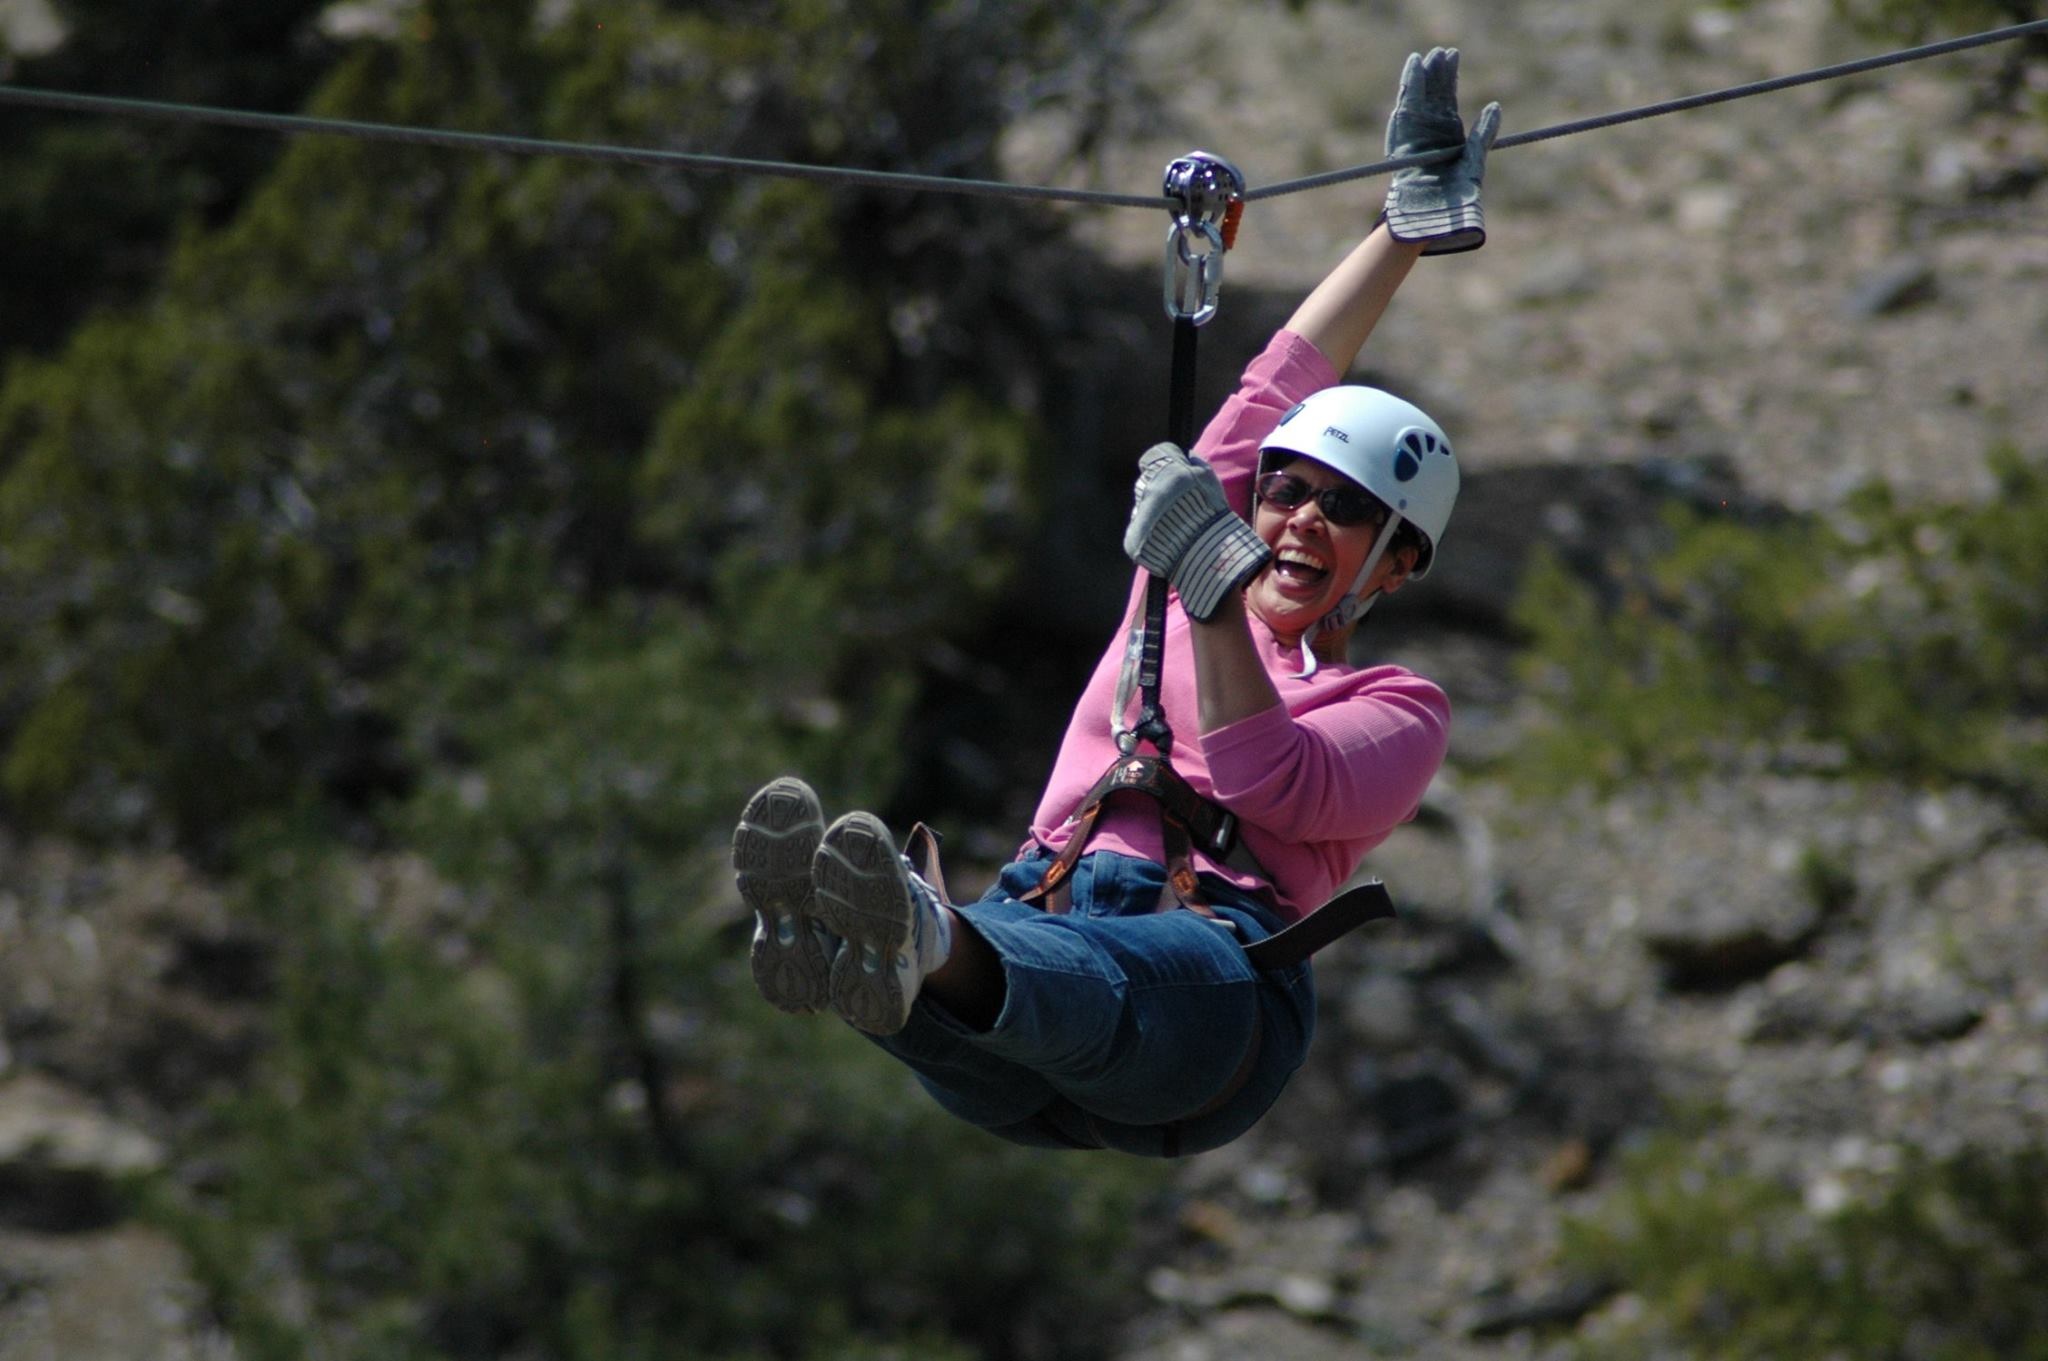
[[863, 895], [772, 848]]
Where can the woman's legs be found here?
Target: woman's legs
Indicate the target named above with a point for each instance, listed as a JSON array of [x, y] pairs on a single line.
[[970, 984], [1111, 1024], [1113, 1015]]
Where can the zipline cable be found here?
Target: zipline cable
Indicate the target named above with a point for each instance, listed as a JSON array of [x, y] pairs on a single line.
[[66, 101], [1679, 105], [540, 146]]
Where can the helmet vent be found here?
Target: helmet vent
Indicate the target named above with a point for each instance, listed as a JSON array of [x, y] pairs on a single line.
[[1411, 449]]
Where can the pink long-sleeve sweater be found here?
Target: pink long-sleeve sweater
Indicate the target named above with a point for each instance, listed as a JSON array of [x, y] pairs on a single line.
[[1317, 781]]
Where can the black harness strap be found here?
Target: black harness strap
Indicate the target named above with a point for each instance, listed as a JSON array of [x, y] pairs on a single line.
[[1180, 426], [1349, 910]]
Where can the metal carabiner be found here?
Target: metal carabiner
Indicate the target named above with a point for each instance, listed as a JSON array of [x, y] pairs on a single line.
[[1194, 281]]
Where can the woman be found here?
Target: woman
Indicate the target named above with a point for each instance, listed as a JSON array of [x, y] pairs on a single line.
[[1107, 1021]]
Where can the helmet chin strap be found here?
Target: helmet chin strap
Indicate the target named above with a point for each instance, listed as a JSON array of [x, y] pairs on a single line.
[[1355, 602]]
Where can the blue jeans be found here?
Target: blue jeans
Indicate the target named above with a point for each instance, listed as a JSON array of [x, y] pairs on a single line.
[[1121, 1023]]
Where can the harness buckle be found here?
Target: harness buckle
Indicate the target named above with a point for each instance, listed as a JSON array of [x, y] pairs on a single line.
[[1225, 837]]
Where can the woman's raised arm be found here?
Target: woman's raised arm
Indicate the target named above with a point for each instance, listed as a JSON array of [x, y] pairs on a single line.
[[1339, 314]]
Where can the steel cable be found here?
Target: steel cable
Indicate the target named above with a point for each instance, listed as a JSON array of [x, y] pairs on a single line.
[[1608, 120], [299, 124]]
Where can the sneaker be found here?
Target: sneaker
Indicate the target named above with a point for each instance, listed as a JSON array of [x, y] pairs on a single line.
[[894, 928], [771, 857]]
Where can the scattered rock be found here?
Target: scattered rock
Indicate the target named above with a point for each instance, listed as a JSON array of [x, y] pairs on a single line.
[[1902, 284], [1560, 1306], [1415, 1113], [1570, 1166], [1208, 1222], [1938, 1015], [1308, 1298], [124, 973], [1486, 1041], [1381, 1010], [1720, 900], [1933, 1013], [62, 1159], [125, 1294], [1710, 945], [1558, 276]]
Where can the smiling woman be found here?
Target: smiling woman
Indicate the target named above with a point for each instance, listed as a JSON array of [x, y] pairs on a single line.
[[1066, 1007], [1316, 555]]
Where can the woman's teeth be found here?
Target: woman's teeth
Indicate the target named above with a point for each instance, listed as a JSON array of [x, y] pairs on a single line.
[[1298, 566]]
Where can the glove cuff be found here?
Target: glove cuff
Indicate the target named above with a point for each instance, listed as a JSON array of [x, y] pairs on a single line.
[[1456, 243], [1442, 228], [1228, 554]]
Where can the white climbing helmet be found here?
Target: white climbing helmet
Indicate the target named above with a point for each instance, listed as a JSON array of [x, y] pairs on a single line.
[[1387, 446]]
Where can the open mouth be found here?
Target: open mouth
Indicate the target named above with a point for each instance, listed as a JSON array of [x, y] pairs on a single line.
[[1297, 568]]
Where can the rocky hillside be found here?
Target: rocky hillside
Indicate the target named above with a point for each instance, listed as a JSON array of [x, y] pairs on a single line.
[[1774, 300], [1821, 285]]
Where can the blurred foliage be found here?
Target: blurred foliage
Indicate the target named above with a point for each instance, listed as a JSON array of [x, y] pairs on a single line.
[[1925, 20], [440, 549], [404, 388], [1938, 1258], [431, 1165], [90, 207], [1919, 20], [1903, 640]]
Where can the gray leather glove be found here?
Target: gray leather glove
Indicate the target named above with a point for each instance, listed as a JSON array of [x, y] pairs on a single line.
[[1437, 205], [1182, 529]]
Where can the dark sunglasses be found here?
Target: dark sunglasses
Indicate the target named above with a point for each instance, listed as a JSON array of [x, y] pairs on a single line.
[[1343, 504]]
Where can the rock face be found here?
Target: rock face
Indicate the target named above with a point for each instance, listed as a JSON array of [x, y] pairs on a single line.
[[109, 1296], [75, 1280], [1819, 285], [62, 1159], [1464, 1098]]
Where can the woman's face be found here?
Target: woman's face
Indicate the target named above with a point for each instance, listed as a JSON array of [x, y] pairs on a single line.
[[1315, 561]]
